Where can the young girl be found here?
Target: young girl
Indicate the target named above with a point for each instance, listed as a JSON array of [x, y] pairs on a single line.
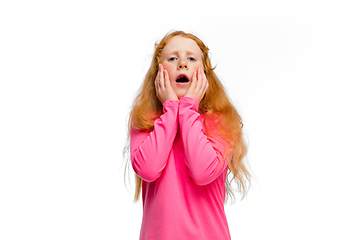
[[185, 140]]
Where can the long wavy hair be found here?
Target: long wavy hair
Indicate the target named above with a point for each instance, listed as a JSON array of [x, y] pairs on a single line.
[[147, 108]]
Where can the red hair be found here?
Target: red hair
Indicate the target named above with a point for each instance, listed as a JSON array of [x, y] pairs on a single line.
[[147, 108]]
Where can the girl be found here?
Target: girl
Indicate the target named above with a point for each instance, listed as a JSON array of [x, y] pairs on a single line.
[[185, 140]]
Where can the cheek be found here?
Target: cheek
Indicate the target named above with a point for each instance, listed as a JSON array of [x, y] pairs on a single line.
[[169, 69], [196, 67]]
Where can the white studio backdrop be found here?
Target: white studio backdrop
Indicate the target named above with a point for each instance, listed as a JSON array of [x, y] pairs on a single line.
[[69, 71]]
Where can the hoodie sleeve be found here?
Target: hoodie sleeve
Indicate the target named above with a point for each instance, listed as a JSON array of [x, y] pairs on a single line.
[[150, 150], [204, 157]]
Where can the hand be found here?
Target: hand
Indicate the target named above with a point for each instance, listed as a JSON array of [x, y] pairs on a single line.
[[163, 88], [198, 86]]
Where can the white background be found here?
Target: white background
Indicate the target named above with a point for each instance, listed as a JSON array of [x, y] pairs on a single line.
[[70, 69]]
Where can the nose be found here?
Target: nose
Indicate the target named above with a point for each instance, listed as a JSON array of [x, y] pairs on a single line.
[[182, 64]]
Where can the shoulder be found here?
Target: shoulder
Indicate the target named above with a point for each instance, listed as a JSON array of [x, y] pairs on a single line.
[[211, 123], [211, 120]]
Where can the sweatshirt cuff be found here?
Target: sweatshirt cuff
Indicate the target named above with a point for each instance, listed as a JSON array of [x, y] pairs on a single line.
[[191, 102], [170, 103]]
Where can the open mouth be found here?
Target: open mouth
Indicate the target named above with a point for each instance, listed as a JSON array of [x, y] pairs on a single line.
[[182, 78]]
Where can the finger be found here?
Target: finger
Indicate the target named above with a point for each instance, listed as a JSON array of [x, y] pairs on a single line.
[[200, 80], [156, 83], [161, 77], [194, 81], [205, 82], [166, 78]]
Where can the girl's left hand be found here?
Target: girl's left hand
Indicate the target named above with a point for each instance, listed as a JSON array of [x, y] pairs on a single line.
[[198, 86]]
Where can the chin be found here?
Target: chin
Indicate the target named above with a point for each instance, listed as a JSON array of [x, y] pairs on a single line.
[[180, 95]]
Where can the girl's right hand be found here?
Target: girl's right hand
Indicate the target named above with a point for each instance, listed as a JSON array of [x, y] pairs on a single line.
[[163, 88]]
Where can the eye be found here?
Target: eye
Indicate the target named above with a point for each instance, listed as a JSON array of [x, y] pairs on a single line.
[[191, 59], [172, 59]]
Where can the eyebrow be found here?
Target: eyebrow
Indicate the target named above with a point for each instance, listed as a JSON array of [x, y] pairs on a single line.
[[176, 51]]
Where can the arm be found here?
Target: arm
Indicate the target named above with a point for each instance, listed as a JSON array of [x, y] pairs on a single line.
[[150, 150], [205, 157]]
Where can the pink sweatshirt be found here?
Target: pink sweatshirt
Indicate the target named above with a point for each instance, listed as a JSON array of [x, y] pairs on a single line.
[[183, 174]]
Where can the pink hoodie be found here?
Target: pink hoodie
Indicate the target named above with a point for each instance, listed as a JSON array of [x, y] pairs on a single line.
[[183, 173]]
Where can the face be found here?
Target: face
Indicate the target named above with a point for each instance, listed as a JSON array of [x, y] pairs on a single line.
[[181, 57]]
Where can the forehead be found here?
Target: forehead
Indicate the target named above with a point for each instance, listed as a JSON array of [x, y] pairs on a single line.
[[181, 44]]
